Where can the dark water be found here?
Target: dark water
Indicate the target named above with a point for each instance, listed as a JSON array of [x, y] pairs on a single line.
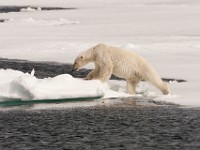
[[99, 128], [117, 127], [7, 9]]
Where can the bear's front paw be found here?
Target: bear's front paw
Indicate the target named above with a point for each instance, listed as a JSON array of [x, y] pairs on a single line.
[[101, 79], [87, 78]]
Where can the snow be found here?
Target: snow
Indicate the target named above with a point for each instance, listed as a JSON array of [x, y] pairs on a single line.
[[38, 22], [166, 32]]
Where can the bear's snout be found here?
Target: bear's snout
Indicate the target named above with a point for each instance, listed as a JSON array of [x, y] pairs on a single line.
[[74, 67]]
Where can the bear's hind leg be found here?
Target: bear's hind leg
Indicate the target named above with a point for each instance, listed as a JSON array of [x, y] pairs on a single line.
[[131, 86], [161, 85]]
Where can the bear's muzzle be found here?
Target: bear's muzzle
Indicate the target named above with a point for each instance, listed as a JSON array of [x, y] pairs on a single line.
[[74, 68]]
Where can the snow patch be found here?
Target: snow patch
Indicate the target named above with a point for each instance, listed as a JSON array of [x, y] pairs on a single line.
[[40, 22]]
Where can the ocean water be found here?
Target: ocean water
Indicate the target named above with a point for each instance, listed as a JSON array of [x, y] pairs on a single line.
[[124, 126], [100, 128]]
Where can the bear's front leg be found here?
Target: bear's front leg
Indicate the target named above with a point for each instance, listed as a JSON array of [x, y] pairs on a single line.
[[104, 73], [89, 76], [94, 73]]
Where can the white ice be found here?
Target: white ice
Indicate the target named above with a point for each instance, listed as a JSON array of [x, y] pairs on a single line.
[[166, 32], [18, 85]]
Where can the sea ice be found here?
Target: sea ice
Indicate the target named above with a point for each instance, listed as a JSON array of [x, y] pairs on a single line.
[[17, 85]]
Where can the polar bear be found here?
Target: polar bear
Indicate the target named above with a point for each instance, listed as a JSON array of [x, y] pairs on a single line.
[[122, 63]]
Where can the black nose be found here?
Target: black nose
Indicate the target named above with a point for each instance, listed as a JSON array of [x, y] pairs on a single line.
[[73, 68]]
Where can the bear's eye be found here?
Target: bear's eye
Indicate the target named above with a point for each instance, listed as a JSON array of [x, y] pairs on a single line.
[[81, 57]]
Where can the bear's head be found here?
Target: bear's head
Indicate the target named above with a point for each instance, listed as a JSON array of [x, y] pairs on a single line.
[[83, 59], [87, 56]]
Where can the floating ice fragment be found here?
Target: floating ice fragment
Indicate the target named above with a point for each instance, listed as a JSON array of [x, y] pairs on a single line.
[[29, 9], [33, 72]]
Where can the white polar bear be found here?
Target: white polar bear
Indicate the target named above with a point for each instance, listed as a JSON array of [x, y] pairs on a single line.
[[122, 63]]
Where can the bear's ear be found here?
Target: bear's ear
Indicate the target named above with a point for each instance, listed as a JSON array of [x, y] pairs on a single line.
[[81, 57]]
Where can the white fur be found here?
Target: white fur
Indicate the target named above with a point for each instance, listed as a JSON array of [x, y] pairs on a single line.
[[122, 63]]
